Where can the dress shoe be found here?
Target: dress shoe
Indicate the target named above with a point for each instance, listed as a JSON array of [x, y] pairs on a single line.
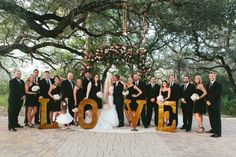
[[145, 126], [210, 131], [183, 127], [215, 135], [188, 130], [19, 126], [120, 125], [37, 122], [12, 130]]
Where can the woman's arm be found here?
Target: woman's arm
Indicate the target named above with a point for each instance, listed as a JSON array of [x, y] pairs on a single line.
[[50, 91], [74, 94], [27, 90], [139, 91], [160, 91], [204, 92], [88, 89], [168, 96]]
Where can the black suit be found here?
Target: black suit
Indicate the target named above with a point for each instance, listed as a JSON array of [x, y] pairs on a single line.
[[44, 88], [174, 96], [36, 118], [214, 96], [152, 92], [85, 83], [119, 101], [187, 108], [142, 86], [67, 92], [16, 92]]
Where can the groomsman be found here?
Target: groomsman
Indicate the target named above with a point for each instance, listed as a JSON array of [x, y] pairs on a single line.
[[86, 80], [44, 85], [36, 80], [67, 92], [174, 96], [119, 99], [142, 86], [186, 91], [153, 90], [214, 91], [15, 100]]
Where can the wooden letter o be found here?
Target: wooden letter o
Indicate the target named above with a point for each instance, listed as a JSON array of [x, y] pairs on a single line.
[[94, 113]]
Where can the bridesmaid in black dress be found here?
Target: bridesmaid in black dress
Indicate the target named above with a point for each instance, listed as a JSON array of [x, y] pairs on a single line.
[[134, 92], [54, 104], [93, 88], [200, 105], [32, 98], [165, 91], [79, 95]]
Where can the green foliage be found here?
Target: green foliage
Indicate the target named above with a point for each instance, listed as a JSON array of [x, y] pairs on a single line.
[[228, 106]]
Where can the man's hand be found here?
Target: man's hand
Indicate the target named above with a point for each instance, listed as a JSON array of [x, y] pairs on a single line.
[[183, 100], [23, 97], [208, 103], [153, 100]]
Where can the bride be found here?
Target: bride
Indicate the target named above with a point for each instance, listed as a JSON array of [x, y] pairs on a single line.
[[108, 118]]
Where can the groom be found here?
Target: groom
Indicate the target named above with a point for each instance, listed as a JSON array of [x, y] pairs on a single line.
[[118, 99]]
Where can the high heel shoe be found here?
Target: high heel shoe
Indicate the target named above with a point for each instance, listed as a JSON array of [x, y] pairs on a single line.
[[201, 130]]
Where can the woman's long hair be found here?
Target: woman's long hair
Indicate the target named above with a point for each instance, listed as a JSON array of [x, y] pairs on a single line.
[[107, 84]]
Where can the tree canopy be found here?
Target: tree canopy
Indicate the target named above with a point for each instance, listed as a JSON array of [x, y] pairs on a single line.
[[179, 36]]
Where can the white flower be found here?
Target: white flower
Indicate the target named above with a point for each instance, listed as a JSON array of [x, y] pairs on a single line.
[[195, 97], [160, 99], [99, 94], [35, 88], [75, 109], [56, 97], [125, 93]]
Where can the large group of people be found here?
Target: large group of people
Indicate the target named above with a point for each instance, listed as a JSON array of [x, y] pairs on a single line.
[[64, 97]]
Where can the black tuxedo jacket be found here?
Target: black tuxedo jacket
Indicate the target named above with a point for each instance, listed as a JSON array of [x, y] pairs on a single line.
[[16, 91], [152, 92], [214, 92], [67, 90], [37, 80], [142, 87], [175, 92], [85, 83], [187, 93], [118, 90], [44, 87]]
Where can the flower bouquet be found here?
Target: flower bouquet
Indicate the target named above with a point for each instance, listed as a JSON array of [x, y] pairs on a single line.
[[195, 97]]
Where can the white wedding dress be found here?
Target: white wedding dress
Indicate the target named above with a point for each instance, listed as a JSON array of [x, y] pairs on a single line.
[[108, 118]]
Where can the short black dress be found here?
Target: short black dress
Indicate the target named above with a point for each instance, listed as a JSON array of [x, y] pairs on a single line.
[[54, 105], [200, 105], [93, 94], [32, 100], [165, 95], [133, 104], [80, 95]]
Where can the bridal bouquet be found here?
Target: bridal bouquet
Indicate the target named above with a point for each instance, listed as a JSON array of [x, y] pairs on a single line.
[[75, 109], [125, 92], [195, 97], [36, 89], [160, 99], [99, 95], [56, 97]]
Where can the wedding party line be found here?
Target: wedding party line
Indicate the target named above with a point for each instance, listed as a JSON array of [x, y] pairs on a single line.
[[64, 97]]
